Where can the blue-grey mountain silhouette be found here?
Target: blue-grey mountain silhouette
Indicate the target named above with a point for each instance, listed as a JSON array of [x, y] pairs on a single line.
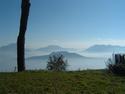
[[105, 48], [53, 48], [64, 53]]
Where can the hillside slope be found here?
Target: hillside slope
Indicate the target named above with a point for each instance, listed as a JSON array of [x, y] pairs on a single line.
[[84, 82]]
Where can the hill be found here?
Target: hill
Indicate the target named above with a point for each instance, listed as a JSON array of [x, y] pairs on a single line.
[[10, 48], [67, 55], [54, 48], [105, 48], [44, 82]]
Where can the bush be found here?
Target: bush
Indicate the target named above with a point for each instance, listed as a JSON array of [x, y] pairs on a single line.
[[116, 66], [57, 63]]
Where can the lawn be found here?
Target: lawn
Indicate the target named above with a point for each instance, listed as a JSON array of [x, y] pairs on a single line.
[[43, 82]]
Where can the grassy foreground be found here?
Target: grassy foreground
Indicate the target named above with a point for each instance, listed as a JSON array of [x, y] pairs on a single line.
[[84, 82]]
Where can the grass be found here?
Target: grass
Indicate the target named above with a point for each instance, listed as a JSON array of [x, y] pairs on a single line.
[[84, 82]]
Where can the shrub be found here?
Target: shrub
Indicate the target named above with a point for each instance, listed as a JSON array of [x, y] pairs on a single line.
[[116, 65], [57, 63]]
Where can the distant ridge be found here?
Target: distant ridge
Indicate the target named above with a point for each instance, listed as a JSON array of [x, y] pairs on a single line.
[[9, 47], [105, 48], [50, 48], [64, 53], [54, 48]]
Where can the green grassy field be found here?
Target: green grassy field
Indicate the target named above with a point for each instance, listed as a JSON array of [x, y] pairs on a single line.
[[84, 82]]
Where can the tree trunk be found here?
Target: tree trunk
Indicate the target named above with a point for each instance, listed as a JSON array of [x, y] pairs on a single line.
[[21, 37]]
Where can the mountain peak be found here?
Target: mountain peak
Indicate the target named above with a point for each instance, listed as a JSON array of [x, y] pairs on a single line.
[[54, 48]]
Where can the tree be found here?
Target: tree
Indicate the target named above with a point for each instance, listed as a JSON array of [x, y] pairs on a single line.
[[21, 37], [57, 63], [116, 64]]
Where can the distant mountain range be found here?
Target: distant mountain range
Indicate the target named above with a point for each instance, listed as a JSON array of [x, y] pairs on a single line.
[[66, 54], [105, 48], [9, 52], [51, 48], [54, 48], [10, 48]]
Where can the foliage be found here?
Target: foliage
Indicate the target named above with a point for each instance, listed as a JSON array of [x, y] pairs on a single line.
[[116, 67], [45, 82], [57, 63]]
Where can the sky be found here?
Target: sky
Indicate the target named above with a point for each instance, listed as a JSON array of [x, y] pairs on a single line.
[[67, 23]]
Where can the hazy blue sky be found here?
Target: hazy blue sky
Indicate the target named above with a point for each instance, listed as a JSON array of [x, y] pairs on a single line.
[[68, 23]]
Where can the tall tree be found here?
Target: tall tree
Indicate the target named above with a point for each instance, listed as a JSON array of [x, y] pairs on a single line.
[[25, 7]]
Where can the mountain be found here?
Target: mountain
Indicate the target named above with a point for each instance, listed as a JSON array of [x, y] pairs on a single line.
[[9, 47], [64, 53], [67, 54], [54, 48], [10, 50], [51, 48], [105, 48]]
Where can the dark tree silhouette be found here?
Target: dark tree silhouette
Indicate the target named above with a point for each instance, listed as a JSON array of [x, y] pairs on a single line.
[[21, 37], [116, 64], [57, 63]]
